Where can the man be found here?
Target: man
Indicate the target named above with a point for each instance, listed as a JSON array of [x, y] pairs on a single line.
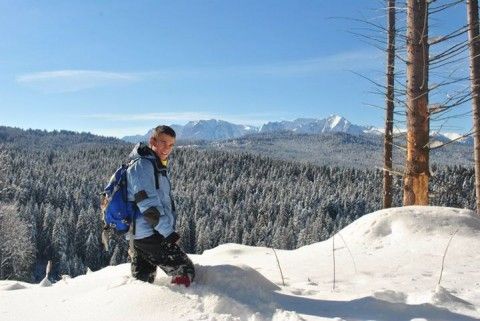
[[155, 240]]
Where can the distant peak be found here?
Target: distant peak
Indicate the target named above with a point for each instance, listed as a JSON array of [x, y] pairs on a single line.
[[336, 118]]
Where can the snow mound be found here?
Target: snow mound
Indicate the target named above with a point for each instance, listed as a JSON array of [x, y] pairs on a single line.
[[12, 285], [241, 282], [401, 223], [441, 296], [286, 316], [391, 296], [383, 266]]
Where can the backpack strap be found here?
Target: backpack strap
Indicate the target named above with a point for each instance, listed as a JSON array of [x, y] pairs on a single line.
[[155, 169], [156, 172]]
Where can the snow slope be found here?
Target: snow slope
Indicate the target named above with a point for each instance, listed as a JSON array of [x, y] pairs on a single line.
[[387, 268]]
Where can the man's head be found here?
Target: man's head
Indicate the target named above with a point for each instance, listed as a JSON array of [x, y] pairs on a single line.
[[162, 141]]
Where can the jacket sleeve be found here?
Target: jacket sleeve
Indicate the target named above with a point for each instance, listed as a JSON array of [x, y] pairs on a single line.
[[141, 178]]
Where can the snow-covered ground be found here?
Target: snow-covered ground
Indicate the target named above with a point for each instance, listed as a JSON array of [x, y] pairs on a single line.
[[388, 265]]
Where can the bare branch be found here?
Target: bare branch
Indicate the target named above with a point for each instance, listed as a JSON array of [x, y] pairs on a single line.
[[452, 141]]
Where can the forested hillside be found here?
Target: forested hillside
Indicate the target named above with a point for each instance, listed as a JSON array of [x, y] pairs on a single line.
[[341, 149], [49, 204]]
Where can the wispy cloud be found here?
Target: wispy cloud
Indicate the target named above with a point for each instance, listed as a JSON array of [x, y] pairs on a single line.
[[73, 80], [355, 60], [255, 119]]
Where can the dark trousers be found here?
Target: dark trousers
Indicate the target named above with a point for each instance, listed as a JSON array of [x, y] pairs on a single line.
[[153, 251]]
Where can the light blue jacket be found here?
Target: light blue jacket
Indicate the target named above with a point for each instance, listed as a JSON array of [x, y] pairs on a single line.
[[141, 186]]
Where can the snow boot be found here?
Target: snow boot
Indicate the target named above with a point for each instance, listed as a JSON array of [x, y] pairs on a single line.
[[181, 279]]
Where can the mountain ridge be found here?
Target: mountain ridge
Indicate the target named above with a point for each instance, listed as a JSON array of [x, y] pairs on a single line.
[[217, 130], [333, 148]]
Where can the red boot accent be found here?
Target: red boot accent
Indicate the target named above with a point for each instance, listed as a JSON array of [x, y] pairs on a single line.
[[181, 279]]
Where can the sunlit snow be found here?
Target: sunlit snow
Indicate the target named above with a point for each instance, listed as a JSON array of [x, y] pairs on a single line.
[[387, 267]]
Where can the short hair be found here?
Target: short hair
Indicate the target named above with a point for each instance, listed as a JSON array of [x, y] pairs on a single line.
[[163, 129]]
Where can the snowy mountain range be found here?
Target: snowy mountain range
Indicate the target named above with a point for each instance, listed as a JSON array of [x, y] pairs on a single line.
[[203, 130], [390, 265], [214, 130], [332, 124]]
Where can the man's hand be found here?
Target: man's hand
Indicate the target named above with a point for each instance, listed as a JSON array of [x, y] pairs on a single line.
[[173, 238]]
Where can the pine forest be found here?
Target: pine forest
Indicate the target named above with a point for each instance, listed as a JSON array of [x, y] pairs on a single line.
[[50, 185]]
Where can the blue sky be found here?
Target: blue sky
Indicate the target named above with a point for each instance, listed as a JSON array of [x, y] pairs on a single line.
[[121, 67]]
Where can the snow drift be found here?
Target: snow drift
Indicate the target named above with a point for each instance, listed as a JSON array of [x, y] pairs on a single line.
[[387, 263]]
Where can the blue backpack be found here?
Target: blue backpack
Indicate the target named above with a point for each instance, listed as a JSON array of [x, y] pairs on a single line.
[[118, 212]]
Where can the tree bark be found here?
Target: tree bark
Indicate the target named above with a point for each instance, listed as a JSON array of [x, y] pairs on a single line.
[[474, 42], [415, 189], [388, 139]]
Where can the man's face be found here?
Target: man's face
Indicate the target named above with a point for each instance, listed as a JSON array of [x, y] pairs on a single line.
[[163, 145]]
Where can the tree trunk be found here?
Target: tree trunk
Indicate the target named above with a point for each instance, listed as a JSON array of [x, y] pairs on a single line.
[[474, 42], [415, 189], [388, 139]]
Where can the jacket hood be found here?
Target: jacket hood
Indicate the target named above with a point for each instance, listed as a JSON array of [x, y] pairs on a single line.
[[142, 150]]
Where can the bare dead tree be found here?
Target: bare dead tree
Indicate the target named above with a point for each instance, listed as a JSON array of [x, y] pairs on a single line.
[[390, 97], [440, 76], [447, 79], [474, 42], [415, 187], [449, 87]]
